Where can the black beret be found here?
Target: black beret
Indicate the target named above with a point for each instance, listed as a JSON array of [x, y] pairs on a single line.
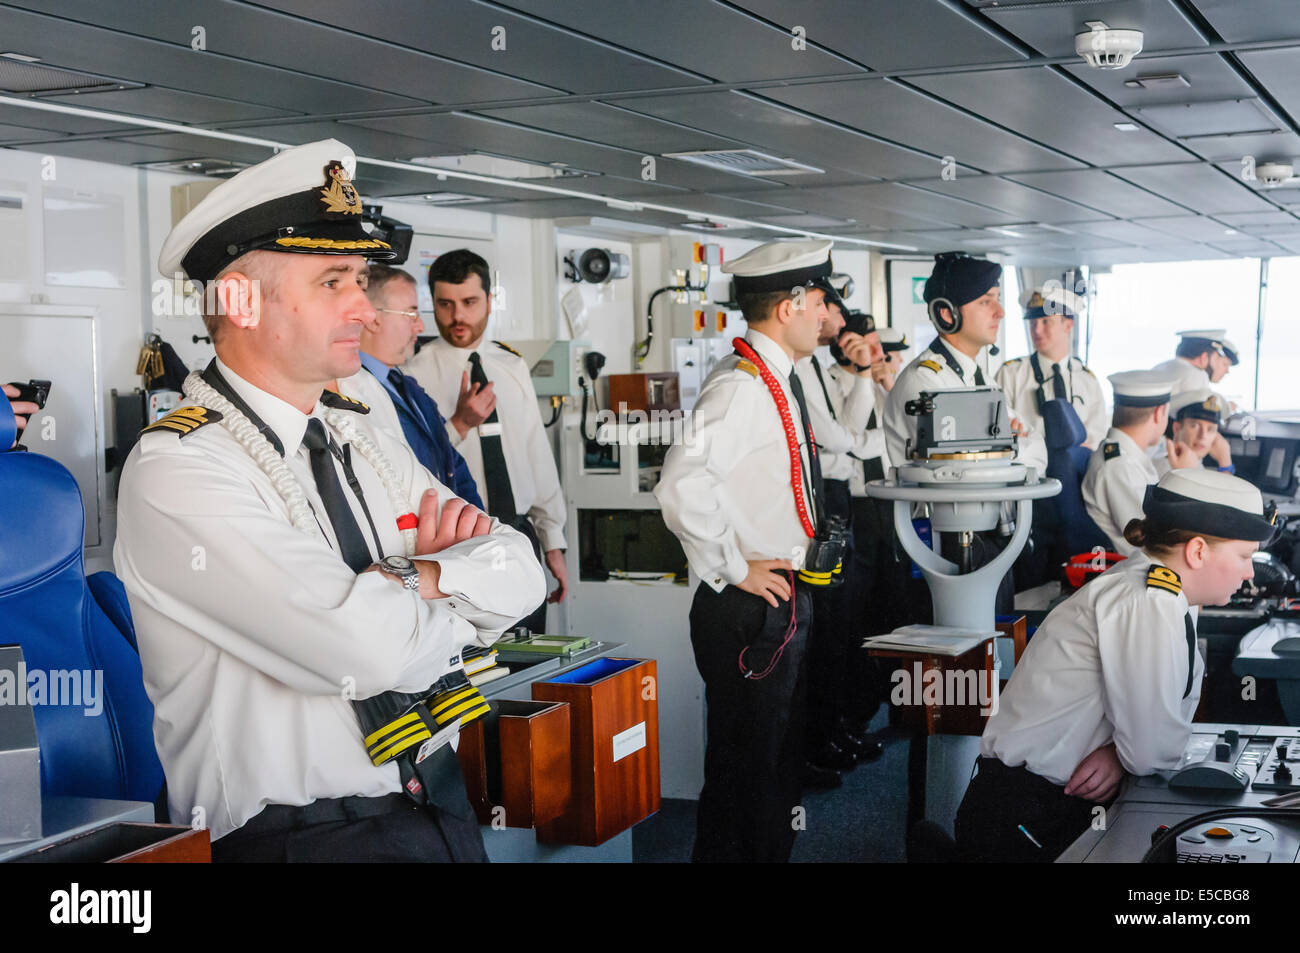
[[960, 278]]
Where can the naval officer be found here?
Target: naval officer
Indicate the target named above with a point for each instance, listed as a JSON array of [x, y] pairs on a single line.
[[841, 407], [292, 569], [742, 493], [1051, 372], [1121, 469], [1202, 358], [496, 425], [1111, 679], [964, 301], [1195, 417]]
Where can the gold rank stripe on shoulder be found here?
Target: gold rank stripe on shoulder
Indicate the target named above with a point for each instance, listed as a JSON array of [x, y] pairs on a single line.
[[1086, 368], [1012, 360], [749, 367], [339, 401], [184, 420], [1110, 450], [332, 244], [506, 347], [932, 365], [1161, 577]]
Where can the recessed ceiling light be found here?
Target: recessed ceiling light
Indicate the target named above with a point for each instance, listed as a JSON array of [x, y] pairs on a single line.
[[1126, 126], [22, 57], [1159, 81], [1229, 231]]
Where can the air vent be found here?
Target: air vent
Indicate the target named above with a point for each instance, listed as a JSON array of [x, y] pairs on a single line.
[[746, 162], [18, 77], [214, 168]]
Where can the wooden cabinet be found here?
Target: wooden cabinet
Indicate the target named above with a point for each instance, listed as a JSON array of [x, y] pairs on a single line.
[[614, 731], [517, 763]]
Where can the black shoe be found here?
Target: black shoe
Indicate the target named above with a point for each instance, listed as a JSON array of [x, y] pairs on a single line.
[[831, 755], [815, 776]]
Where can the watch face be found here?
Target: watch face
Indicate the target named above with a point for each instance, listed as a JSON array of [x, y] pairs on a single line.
[[398, 563]]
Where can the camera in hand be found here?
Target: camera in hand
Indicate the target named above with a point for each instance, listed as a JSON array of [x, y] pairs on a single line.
[[37, 392]]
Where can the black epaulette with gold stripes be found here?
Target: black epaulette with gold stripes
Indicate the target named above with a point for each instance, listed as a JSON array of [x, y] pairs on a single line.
[[1110, 450], [339, 402], [184, 420], [1161, 577], [506, 347]]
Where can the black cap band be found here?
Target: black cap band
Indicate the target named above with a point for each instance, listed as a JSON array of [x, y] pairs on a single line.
[[1123, 400], [1212, 519], [784, 280]]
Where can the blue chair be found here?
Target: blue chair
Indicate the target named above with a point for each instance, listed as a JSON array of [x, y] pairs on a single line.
[[1072, 529], [66, 623]]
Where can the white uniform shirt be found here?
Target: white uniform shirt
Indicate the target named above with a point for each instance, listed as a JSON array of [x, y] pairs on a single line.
[[929, 371], [367, 388], [1016, 377], [251, 631], [875, 445], [1107, 664], [840, 428], [1119, 473], [534, 479], [725, 488]]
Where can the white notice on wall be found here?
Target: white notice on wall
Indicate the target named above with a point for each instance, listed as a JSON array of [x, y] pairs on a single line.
[[627, 742]]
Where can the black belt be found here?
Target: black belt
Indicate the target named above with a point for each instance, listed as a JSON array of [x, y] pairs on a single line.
[[284, 817]]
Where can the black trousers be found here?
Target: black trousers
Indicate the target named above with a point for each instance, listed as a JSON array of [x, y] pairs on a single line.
[[1001, 800], [754, 748], [833, 635], [367, 829]]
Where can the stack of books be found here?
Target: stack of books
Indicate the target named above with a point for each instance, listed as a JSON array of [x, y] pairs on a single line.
[[481, 666]]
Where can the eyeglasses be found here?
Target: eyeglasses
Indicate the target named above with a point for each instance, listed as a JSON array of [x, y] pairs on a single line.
[[412, 314]]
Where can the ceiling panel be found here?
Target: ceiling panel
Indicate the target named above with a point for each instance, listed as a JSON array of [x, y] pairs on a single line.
[[1026, 204], [1246, 20], [847, 202], [1247, 219], [1121, 231], [618, 127], [1209, 118], [1248, 248], [474, 134], [170, 104], [772, 128], [912, 202], [723, 205], [258, 35], [754, 50], [49, 125], [1050, 27], [1279, 71], [1047, 107], [1103, 191], [61, 43], [463, 30], [1209, 76], [362, 140], [1195, 228], [1196, 185], [886, 109], [1264, 147], [118, 151], [889, 34], [194, 147]]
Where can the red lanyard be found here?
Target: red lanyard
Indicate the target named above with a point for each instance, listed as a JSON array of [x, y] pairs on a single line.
[[791, 438]]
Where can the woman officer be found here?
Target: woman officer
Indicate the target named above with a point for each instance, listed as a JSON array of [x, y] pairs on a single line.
[[1110, 680]]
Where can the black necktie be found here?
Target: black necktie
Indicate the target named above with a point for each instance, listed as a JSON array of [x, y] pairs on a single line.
[[873, 469], [1058, 384], [817, 368], [397, 379], [979, 376], [352, 545], [814, 465], [1191, 651], [500, 498]]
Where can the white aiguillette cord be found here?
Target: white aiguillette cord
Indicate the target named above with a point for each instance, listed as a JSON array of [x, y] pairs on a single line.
[[200, 392]]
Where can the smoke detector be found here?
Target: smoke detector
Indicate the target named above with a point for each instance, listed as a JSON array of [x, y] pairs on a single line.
[[1104, 48], [1271, 174]]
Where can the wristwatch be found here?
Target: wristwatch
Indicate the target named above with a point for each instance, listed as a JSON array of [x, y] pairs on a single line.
[[403, 568]]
